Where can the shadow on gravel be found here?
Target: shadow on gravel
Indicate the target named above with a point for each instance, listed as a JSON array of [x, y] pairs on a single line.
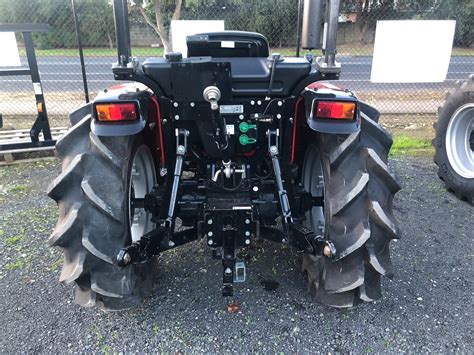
[[426, 307]]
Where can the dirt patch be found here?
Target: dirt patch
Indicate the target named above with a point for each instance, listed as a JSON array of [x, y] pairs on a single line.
[[415, 126]]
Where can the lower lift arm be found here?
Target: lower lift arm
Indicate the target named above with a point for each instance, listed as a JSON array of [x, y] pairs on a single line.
[[295, 234], [162, 237]]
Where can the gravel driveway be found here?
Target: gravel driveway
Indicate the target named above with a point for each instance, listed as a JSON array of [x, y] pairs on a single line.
[[426, 307]]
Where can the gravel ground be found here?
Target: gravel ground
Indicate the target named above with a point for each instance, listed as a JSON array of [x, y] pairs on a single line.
[[426, 307]]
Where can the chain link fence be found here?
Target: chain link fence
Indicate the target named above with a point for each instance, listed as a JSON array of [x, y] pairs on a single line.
[[410, 106]]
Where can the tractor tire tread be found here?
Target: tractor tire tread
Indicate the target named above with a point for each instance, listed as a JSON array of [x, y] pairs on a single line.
[[91, 224], [361, 224], [463, 188]]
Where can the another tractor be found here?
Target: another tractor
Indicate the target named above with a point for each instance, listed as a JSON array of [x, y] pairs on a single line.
[[230, 144], [454, 141]]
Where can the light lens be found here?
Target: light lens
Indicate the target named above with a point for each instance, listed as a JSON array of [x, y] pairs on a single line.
[[116, 112], [335, 110]]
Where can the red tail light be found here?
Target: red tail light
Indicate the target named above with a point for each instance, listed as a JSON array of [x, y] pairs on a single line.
[[337, 110], [116, 112]]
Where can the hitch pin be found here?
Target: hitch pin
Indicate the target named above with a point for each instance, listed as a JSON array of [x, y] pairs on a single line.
[[329, 250]]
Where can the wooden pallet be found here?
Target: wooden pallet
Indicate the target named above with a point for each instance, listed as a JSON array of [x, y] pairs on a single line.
[[23, 155]]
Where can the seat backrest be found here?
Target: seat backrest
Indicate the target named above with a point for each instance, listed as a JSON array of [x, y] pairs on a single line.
[[228, 44]]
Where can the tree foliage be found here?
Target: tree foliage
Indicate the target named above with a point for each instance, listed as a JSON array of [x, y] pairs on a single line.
[[276, 19], [370, 11], [463, 12], [95, 18], [158, 14]]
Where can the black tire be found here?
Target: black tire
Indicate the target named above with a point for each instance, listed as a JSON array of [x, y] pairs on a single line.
[[358, 219], [462, 187], [92, 196]]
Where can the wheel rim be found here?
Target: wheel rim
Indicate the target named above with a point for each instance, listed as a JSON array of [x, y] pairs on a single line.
[[142, 179], [313, 182], [459, 148]]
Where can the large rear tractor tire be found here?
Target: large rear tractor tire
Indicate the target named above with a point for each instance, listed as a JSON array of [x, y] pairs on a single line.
[[351, 173], [100, 176], [454, 141]]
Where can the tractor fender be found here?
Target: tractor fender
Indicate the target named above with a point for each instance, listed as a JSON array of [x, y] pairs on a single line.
[[122, 93], [77, 115], [318, 91], [369, 111]]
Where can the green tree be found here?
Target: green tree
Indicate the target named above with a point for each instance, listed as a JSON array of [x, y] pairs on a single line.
[[96, 22], [370, 11], [463, 12], [158, 14], [95, 17], [276, 19]]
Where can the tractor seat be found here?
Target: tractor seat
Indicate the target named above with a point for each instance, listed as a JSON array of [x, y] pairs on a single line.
[[227, 44], [248, 56]]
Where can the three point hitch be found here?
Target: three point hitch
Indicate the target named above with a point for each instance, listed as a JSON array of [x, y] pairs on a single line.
[[228, 221]]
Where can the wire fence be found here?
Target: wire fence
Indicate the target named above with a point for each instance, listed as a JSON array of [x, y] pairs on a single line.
[[408, 105]]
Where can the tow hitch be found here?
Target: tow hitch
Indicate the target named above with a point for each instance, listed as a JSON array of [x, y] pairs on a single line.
[[229, 225]]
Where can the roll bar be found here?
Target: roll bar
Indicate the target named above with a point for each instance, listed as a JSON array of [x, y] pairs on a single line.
[[311, 34], [122, 33]]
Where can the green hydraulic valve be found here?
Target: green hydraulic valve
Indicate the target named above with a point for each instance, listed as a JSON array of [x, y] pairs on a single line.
[[245, 127], [244, 140]]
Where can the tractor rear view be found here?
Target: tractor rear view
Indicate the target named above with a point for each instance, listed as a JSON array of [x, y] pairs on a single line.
[[231, 144]]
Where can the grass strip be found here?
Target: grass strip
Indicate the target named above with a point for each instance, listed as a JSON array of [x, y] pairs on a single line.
[[405, 145]]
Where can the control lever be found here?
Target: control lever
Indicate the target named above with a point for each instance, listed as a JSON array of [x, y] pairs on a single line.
[[212, 94]]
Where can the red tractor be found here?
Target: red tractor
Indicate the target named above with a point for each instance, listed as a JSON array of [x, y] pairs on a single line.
[[230, 144]]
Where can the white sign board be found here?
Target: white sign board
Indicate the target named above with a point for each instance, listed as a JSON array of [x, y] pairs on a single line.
[[412, 51], [9, 56], [180, 29]]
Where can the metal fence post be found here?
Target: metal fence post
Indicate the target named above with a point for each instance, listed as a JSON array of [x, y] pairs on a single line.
[[298, 30], [81, 53]]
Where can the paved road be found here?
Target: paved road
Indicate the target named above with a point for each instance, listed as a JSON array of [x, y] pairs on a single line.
[[427, 307], [64, 74]]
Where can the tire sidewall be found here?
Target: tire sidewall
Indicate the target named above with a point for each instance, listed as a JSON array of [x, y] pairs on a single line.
[[452, 104], [136, 142]]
